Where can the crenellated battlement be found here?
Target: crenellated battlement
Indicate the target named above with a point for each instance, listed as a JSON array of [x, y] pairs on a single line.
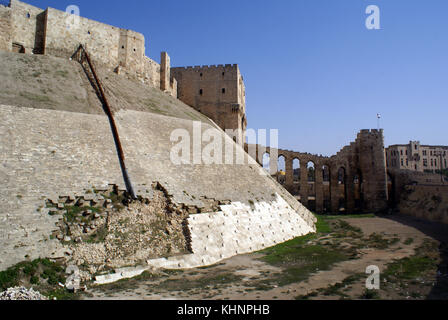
[[207, 67], [218, 91]]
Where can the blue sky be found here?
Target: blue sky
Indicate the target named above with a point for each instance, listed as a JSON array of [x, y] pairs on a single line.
[[311, 68]]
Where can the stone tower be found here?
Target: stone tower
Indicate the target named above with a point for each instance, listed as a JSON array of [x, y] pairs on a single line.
[[372, 163], [216, 91]]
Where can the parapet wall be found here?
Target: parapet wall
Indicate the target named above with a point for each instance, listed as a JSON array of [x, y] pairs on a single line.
[[218, 67], [100, 40]]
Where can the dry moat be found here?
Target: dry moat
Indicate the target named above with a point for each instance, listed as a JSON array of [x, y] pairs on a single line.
[[331, 264]]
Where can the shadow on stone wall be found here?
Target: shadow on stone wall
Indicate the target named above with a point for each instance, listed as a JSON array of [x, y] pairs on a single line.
[[437, 231]]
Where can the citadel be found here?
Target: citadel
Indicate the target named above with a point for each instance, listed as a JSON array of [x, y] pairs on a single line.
[[216, 91], [62, 155]]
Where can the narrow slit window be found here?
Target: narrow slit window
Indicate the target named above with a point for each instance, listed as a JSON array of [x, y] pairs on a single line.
[[201, 92], [223, 90]]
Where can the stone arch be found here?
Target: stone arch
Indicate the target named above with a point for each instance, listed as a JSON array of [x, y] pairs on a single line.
[[266, 162], [311, 169], [281, 169], [296, 170]]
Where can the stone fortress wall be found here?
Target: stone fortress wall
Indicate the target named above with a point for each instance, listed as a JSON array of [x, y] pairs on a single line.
[[353, 180], [419, 194], [216, 91], [27, 29]]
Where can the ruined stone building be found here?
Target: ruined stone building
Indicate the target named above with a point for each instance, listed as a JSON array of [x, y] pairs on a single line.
[[217, 91], [353, 180], [417, 157]]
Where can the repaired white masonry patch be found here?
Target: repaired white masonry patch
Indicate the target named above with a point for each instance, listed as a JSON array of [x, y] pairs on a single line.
[[237, 229]]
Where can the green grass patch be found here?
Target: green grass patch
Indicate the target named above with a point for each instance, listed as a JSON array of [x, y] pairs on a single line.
[[62, 73], [302, 262], [425, 261], [377, 241], [74, 212], [370, 295], [299, 259], [99, 236], [335, 290], [288, 247], [42, 274], [410, 268], [349, 216], [322, 225], [35, 97]]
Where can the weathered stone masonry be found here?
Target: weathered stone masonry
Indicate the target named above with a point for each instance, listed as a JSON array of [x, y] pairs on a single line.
[[216, 91], [27, 29], [49, 153]]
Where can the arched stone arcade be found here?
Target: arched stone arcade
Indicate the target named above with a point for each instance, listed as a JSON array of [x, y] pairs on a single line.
[[323, 184]]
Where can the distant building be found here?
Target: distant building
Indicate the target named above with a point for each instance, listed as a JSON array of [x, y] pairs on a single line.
[[417, 157]]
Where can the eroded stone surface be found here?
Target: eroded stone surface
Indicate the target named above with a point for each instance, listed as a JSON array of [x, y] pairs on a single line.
[[49, 153]]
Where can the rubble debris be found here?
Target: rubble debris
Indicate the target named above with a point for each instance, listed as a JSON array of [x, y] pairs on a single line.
[[21, 293]]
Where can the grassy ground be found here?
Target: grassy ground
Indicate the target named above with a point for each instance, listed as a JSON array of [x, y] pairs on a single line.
[[280, 270], [42, 274], [303, 256]]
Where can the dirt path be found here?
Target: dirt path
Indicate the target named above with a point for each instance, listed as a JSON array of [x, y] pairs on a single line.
[[248, 277]]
